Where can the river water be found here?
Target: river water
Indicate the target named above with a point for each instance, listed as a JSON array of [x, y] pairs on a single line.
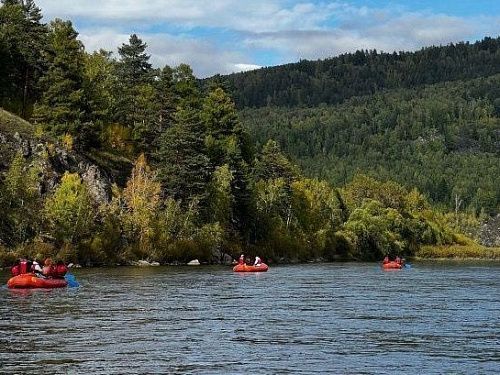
[[345, 318]]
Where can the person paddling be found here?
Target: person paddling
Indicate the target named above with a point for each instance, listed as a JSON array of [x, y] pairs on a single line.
[[60, 270], [16, 269], [36, 268], [242, 259], [257, 262], [48, 269]]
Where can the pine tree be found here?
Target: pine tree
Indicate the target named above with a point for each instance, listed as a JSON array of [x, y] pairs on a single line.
[[99, 76], [186, 87], [22, 37], [167, 98], [228, 144], [272, 164], [183, 167], [136, 105], [62, 102], [134, 68]]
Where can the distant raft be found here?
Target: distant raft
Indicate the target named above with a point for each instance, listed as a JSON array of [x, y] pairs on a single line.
[[30, 281], [246, 268], [392, 266]]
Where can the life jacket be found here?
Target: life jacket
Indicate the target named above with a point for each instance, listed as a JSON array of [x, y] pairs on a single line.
[[23, 267], [48, 270], [60, 270], [36, 268], [15, 270]]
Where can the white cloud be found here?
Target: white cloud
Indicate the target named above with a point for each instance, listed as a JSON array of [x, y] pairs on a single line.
[[205, 58], [262, 15], [245, 67], [408, 31], [288, 30]]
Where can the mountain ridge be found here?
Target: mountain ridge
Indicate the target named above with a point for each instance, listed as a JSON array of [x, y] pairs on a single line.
[[364, 72]]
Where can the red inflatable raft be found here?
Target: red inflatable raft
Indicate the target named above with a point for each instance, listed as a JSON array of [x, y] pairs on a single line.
[[29, 281], [392, 266], [246, 268]]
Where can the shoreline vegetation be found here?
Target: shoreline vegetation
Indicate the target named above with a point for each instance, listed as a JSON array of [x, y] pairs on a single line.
[[107, 160], [458, 252]]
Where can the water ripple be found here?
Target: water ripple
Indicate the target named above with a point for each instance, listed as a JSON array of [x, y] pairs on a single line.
[[338, 318]]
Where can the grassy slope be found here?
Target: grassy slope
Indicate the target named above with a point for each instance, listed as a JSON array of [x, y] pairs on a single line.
[[10, 124]]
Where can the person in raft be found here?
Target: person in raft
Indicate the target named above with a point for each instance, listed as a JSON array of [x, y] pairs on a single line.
[[398, 260], [59, 270], [48, 268], [257, 262], [36, 268], [16, 269], [21, 267], [386, 260], [242, 259]]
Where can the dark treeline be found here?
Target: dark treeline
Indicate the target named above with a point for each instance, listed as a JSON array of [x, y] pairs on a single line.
[[198, 188], [333, 80], [443, 139]]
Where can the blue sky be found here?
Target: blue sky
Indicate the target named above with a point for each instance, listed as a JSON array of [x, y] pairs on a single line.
[[224, 36]]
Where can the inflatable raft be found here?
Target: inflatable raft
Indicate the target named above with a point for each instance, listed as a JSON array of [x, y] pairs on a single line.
[[30, 281], [392, 266], [246, 268]]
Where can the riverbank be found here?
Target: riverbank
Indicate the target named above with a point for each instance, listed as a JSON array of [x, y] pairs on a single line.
[[462, 252]]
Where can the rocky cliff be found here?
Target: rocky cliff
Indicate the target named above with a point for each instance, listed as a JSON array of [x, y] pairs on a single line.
[[17, 135]]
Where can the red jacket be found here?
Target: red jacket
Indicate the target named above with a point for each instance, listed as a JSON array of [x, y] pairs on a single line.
[[60, 270], [48, 270], [23, 267], [15, 270]]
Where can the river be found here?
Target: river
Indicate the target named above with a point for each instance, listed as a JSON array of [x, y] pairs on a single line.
[[348, 318]]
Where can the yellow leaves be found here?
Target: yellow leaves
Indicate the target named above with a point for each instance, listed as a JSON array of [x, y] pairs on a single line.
[[67, 141], [142, 199], [416, 202], [118, 137]]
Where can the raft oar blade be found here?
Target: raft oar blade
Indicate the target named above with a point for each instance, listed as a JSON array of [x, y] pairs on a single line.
[[70, 279]]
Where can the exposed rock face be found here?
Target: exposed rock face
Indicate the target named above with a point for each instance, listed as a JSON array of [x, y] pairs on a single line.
[[490, 232], [54, 162]]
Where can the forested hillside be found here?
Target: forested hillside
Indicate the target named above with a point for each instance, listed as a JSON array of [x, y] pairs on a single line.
[[443, 138], [333, 80], [106, 159]]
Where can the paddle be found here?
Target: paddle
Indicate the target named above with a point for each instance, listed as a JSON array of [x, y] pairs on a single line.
[[70, 279]]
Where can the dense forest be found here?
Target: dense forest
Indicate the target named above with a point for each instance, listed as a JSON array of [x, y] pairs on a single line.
[[333, 80], [105, 160], [443, 139]]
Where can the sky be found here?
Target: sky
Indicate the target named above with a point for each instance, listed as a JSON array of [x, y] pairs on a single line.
[[225, 36]]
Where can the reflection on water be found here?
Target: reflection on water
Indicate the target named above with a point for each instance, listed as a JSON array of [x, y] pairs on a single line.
[[337, 318]]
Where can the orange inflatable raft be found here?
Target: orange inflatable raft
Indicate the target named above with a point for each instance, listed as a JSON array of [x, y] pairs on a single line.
[[392, 266], [29, 281], [246, 268]]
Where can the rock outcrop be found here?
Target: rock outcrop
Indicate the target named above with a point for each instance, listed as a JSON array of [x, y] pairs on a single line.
[[17, 135], [489, 234]]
